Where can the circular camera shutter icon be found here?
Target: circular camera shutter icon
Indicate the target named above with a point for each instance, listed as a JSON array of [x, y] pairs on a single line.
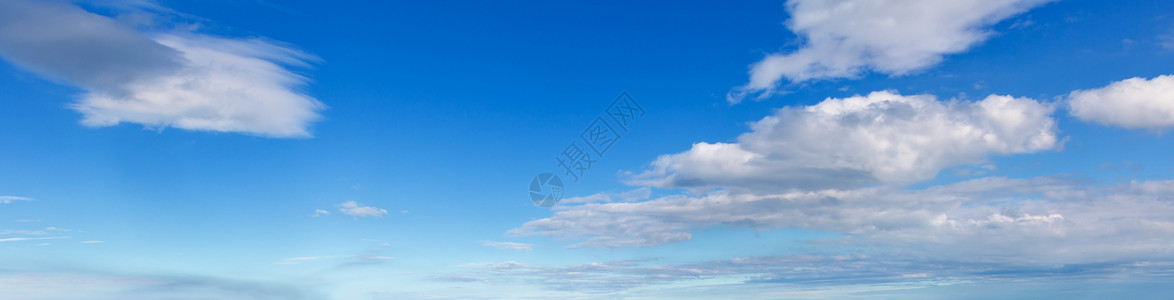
[[546, 189]]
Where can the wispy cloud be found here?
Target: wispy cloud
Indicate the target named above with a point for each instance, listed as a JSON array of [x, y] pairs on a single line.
[[298, 260], [172, 78], [21, 239], [629, 196], [459, 278], [354, 209], [509, 245], [10, 199], [845, 39], [1166, 40], [45, 231], [319, 213], [93, 242], [78, 285], [780, 273]]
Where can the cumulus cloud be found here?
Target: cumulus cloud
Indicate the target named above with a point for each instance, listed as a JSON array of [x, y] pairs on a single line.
[[351, 208], [882, 137], [179, 79], [10, 199], [1135, 103], [319, 213], [844, 39], [509, 245]]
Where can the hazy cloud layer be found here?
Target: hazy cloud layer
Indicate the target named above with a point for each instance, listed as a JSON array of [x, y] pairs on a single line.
[[509, 245], [844, 39], [181, 79], [74, 285], [795, 276], [881, 137], [1136, 103], [1042, 220]]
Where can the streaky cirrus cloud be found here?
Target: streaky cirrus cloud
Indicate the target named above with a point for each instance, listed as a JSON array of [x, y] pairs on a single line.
[[628, 196], [10, 199], [354, 209], [319, 213], [21, 239], [509, 245], [176, 79], [1135, 103], [796, 276], [883, 137], [845, 39]]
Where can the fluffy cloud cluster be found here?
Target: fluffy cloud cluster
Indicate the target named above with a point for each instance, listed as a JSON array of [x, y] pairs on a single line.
[[1136, 103], [843, 39], [881, 137], [183, 80]]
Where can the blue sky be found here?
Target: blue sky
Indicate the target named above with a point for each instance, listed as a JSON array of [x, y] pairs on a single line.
[[910, 149]]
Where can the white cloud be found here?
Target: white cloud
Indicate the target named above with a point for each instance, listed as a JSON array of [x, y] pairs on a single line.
[[10, 199], [21, 239], [184, 80], [844, 39], [997, 220], [319, 213], [351, 208], [93, 242], [45, 231], [509, 245], [1135, 103], [629, 196], [882, 137]]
